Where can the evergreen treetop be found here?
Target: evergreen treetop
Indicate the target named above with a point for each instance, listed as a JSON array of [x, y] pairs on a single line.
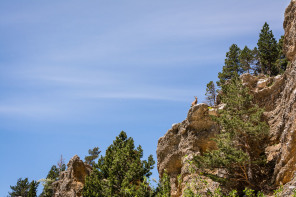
[[24, 188], [232, 65], [21, 188], [33, 189], [246, 59], [93, 155], [211, 93], [268, 51], [121, 172]]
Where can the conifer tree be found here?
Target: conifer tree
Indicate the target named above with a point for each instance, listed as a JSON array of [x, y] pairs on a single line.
[[232, 65], [246, 58], [33, 189], [93, 155], [121, 172], [51, 177], [268, 51], [281, 62], [21, 188], [240, 143], [257, 69], [211, 93]]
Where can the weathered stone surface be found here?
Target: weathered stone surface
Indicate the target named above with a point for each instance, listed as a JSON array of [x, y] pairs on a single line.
[[290, 31], [282, 119], [182, 141], [72, 180]]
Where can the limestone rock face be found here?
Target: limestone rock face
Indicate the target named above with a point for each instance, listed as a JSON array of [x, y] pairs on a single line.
[[71, 181], [290, 31], [283, 118], [183, 141]]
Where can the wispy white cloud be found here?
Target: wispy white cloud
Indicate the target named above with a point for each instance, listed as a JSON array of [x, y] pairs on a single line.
[[31, 110]]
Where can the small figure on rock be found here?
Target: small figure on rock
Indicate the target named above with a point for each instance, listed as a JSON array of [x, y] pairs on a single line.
[[194, 102]]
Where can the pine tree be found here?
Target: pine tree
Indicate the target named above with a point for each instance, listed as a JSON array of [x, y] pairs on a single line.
[[257, 69], [282, 61], [21, 188], [52, 176], [246, 58], [93, 155], [211, 93], [240, 143], [121, 172], [33, 189], [268, 51], [232, 65]]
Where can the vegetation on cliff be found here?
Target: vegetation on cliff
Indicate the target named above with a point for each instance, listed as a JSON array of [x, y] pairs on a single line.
[[52, 176], [241, 141], [267, 58]]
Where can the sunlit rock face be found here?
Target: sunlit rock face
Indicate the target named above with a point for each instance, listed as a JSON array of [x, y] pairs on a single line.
[[72, 180], [183, 141], [283, 119], [290, 31]]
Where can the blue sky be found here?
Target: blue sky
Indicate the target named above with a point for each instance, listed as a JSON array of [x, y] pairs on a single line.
[[73, 74]]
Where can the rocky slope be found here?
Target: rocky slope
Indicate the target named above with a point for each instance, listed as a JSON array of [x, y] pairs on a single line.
[[276, 94], [71, 181]]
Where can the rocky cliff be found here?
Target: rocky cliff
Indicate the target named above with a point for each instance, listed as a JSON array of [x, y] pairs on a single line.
[[71, 181], [276, 94], [283, 117], [183, 141]]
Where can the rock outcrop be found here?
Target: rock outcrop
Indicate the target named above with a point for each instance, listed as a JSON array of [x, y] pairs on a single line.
[[277, 95], [71, 181], [183, 141]]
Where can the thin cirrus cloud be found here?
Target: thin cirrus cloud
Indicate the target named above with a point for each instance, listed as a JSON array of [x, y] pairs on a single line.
[[123, 37], [51, 49]]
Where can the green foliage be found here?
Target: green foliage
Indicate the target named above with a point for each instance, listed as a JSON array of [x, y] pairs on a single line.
[[164, 188], [121, 172], [256, 62], [53, 173], [93, 155], [21, 188], [278, 192], [240, 143], [33, 189], [268, 51], [211, 93], [233, 193], [247, 59], [249, 192], [52, 176], [281, 62], [260, 194], [232, 65], [294, 192]]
